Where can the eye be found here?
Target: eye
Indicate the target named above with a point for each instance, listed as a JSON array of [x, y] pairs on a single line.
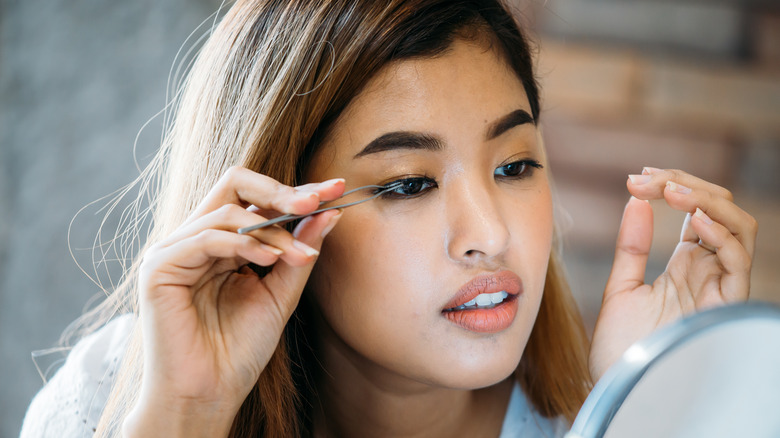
[[410, 187], [517, 169]]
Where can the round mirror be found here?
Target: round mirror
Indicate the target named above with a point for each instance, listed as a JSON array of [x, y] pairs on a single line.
[[712, 374]]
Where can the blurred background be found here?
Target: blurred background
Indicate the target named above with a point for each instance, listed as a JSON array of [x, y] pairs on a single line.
[[682, 84]]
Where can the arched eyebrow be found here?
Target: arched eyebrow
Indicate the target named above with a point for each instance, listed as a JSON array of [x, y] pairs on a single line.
[[402, 140], [429, 142], [515, 118]]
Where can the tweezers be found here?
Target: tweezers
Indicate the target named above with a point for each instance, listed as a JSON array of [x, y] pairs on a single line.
[[291, 217]]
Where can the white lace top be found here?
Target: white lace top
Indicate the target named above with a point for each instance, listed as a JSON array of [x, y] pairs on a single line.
[[70, 404]]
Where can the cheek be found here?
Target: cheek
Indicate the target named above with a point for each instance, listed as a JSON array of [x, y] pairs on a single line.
[[367, 274], [532, 235], [373, 288], [537, 224]]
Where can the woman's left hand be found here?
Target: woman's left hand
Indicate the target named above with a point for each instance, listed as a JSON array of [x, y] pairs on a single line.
[[709, 267]]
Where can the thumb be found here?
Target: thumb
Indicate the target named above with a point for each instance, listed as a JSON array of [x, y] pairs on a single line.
[[632, 248]]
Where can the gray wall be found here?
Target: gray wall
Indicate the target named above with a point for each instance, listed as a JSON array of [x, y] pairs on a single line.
[[77, 81]]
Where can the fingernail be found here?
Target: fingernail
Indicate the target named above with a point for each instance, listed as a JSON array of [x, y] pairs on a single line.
[[639, 179], [301, 195], [677, 188], [650, 170], [309, 251], [332, 182], [306, 194], [272, 249], [332, 223], [314, 187], [702, 216]]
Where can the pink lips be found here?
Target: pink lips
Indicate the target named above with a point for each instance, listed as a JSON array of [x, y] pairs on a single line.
[[486, 320]]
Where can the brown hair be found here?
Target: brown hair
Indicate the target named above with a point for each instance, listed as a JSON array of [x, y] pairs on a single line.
[[266, 87]]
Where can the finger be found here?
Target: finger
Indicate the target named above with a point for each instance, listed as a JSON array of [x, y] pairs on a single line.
[[228, 217], [652, 183], [632, 248], [287, 281], [244, 187], [739, 223], [231, 217], [328, 191], [689, 235], [734, 259], [185, 262], [716, 201]]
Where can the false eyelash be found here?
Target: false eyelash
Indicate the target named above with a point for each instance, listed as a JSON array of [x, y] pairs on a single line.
[[387, 191]]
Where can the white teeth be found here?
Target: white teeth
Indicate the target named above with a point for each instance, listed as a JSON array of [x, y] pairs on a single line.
[[498, 297], [484, 300]]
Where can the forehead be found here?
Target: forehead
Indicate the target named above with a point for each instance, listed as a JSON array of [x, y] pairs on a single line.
[[456, 93]]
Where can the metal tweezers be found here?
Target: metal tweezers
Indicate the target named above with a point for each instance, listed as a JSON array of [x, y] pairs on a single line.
[[291, 217]]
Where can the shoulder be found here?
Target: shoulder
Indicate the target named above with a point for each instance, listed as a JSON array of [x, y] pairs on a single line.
[[522, 420], [71, 402]]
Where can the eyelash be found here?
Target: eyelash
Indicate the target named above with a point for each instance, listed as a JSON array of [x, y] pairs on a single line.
[[421, 184], [426, 182], [527, 168]]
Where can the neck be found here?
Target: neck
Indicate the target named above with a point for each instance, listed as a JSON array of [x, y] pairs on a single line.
[[357, 398]]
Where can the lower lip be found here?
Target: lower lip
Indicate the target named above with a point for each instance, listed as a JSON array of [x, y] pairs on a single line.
[[491, 320]]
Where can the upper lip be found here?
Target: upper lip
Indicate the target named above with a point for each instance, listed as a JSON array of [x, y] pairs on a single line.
[[506, 281]]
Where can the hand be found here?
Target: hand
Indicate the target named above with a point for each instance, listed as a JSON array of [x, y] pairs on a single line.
[[210, 324], [709, 267]]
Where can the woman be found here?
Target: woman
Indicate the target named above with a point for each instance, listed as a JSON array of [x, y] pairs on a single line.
[[437, 309]]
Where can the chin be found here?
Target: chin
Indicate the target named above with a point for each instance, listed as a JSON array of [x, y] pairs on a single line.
[[472, 381], [476, 371]]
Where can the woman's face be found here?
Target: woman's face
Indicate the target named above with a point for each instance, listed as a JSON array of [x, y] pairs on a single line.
[[474, 217]]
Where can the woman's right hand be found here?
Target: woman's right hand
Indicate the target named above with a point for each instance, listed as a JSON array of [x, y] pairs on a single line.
[[210, 324]]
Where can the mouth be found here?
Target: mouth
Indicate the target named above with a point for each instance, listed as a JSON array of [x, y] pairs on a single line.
[[486, 304]]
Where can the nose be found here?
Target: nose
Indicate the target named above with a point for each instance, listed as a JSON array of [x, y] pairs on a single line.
[[477, 230]]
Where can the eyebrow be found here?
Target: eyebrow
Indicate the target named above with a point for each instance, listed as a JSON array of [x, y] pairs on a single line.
[[402, 140], [428, 142], [515, 118]]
